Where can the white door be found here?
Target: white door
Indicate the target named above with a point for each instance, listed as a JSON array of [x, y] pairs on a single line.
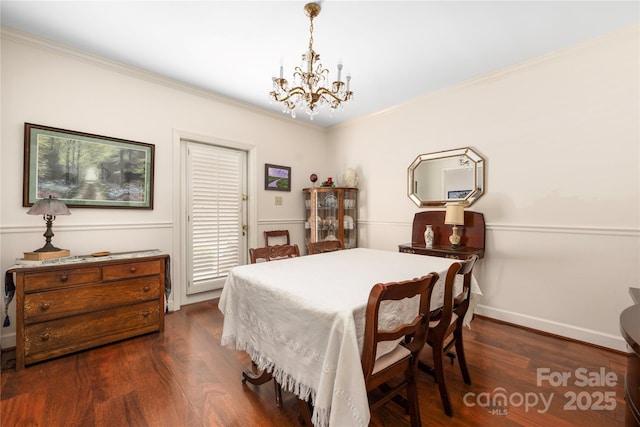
[[216, 185]]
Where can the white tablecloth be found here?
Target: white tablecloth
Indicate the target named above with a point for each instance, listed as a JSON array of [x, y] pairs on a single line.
[[303, 320]]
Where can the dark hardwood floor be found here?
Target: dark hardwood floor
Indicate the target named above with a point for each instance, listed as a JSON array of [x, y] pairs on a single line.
[[183, 377]]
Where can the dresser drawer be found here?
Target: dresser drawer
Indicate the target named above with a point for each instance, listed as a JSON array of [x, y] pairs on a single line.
[[131, 269], [62, 336], [60, 278], [41, 306]]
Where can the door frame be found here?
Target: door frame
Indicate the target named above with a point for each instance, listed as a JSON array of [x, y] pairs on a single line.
[[179, 295]]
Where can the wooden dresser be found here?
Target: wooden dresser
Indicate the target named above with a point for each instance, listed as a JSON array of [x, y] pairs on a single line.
[[472, 235], [65, 308]]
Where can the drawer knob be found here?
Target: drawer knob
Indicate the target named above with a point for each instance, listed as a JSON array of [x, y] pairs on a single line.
[[146, 289], [45, 306], [132, 269], [45, 336], [64, 278], [145, 314]]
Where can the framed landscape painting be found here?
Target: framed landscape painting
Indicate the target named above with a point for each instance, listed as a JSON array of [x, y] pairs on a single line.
[[86, 170], [277, 178]]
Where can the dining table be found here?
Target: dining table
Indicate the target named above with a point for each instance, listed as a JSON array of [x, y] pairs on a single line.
[[302, 321]]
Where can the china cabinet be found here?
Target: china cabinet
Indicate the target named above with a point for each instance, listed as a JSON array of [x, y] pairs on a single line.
[[331, 214]]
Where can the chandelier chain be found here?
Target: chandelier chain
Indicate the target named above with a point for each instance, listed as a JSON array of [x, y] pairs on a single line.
[[311, 33]]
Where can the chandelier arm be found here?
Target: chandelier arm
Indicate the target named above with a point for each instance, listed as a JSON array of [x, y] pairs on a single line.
[[298, 90], [292, 92], [324, 91]]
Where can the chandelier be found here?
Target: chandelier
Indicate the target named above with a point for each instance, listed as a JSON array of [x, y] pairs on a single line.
[[311, 88]]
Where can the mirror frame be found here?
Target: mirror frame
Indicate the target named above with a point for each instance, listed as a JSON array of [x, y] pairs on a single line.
[[479, 181]]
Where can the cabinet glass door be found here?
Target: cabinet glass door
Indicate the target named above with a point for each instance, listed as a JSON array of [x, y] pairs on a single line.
[[350, 208]]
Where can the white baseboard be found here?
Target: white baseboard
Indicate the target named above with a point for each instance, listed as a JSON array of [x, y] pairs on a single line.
[[8, 340], [589, 336], [613, 342]]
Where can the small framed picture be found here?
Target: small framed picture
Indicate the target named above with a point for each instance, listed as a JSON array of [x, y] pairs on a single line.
[[277, 178]]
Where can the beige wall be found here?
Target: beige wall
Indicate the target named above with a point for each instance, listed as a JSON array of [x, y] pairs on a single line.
[[560, 135], [561, 138], [51, 85]]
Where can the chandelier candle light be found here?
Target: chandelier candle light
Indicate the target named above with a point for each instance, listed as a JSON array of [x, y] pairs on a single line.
[[310, 81]]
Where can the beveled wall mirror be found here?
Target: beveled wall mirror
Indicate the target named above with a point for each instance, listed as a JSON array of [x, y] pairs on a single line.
[[452, 176]]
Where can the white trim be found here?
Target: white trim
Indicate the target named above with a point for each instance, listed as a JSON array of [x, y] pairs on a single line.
[[614, 342], [560, 329], [605, 231], [280, 221], [8, 340], [178, 247], [495, 75], [111, 65], [16, 229], [530, 228]]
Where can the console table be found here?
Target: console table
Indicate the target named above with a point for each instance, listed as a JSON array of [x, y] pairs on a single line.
[[472, 235], [630, 328], [86, 302]]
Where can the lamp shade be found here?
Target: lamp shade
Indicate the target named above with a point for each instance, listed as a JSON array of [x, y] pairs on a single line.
[[454, 215], [49, 206]]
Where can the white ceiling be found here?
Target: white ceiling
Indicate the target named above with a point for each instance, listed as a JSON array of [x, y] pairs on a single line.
[[394, 50]]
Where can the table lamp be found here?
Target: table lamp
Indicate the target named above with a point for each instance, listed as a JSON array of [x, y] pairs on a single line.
[[454, 216], [49, 208]]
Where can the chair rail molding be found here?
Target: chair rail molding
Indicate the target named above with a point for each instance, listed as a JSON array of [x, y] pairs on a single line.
[[533, 228], [15, 229]]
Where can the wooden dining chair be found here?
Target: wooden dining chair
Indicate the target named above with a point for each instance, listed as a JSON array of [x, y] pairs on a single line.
[[325, 246], [446, 326], [280, 235], [400, 363], [270, 253]]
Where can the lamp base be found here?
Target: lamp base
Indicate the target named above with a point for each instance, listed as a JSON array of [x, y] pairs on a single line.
[[454, 238], [40, 256]]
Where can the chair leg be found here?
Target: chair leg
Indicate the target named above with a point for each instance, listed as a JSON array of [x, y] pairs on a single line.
[[412, 400], [442, 386], [261, 378], [462, 361], [304, 413], [278, 392]]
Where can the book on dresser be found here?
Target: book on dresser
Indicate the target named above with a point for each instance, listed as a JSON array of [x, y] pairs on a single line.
[[41, 256]]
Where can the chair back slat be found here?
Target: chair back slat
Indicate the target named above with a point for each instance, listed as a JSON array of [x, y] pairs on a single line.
[[270, 253], [281, 236]]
